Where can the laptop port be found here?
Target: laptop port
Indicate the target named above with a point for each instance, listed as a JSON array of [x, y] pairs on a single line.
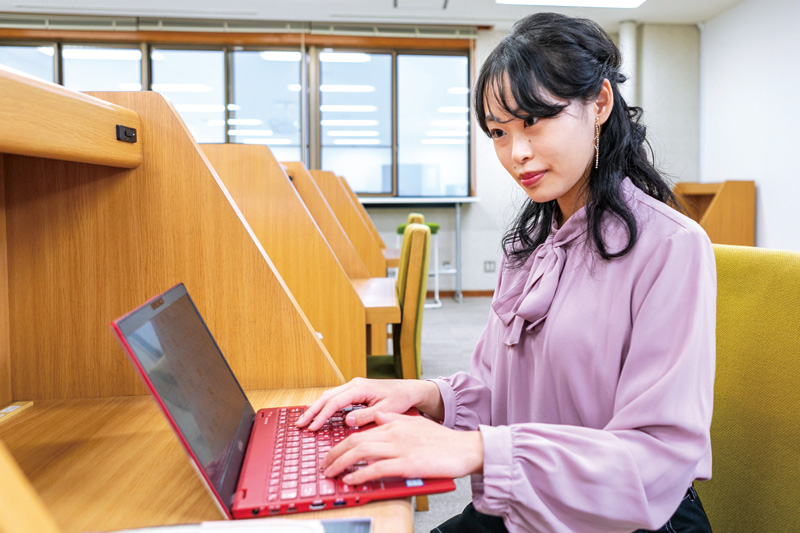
[[255, 511], [339, 503], [317, 506], [291, 509]]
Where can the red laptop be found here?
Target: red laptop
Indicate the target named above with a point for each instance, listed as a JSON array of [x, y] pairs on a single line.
[[254, 464]]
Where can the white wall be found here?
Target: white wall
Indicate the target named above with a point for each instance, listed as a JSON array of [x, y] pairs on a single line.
[[669, 91], [669, 87], [750, 122]]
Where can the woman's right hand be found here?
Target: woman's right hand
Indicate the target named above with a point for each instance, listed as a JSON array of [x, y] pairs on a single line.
[[378, 395]]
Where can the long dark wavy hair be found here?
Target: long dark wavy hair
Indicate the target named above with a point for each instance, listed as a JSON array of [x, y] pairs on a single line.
[[552, 55]]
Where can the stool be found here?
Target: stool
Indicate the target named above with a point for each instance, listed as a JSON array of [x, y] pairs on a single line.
[[417, 218]]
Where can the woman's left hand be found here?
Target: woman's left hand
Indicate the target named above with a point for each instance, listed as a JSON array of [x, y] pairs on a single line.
[[409, 447]]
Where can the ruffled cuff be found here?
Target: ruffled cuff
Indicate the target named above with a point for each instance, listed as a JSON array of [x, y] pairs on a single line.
[[496, 483], [449, 401]]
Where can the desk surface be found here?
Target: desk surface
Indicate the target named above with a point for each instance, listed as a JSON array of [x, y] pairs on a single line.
[[379, 297], [114, 463]]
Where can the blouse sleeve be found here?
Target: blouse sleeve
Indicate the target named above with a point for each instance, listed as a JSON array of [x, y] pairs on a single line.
[[633, 472]]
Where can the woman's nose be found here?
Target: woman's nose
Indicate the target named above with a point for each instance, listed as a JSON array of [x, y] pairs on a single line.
[[522, 150]]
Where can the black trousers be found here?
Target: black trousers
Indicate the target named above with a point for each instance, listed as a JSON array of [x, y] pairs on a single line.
[[689, 518]]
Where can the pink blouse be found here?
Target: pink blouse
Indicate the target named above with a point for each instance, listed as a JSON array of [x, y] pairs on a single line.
[[592, 384]]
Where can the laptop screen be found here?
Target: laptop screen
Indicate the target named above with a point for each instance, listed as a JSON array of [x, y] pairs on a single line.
[[184, 368]]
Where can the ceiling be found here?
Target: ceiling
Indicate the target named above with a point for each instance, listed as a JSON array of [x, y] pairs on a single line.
[[436, 12]]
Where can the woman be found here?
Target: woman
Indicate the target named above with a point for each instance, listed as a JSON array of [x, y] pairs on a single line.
[[588, 403]]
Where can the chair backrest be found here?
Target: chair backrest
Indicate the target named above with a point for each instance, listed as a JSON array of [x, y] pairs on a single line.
[[412, 286], [755, 432], [415, 218]]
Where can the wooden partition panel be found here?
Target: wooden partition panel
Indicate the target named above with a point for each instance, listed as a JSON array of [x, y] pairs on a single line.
[[5, 348], [21, 509], [87, 243], [363, 212], [351, 221], [46, 120], [298, 249], [330, 226]]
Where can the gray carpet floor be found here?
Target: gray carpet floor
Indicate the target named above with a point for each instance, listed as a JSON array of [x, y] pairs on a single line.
[[449, 335]]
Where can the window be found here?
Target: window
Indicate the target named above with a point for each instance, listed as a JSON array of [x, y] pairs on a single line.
[[32, 60], [194, 80], [391, 122], [267, 100], [356, 118], [90, 68], [433, 125]]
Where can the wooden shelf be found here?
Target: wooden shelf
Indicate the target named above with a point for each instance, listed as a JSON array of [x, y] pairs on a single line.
[[726, 210]]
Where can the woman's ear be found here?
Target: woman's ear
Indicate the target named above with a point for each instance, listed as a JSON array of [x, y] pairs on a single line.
[[604, 102]]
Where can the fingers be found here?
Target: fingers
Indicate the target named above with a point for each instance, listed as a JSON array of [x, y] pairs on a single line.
[[328, 403], [355, 450]]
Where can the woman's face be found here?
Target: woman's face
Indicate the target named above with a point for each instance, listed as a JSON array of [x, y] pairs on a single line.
[[550, 158]]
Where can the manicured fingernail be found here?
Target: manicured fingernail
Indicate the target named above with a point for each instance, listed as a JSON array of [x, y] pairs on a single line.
[[351, 419], [348, 478]]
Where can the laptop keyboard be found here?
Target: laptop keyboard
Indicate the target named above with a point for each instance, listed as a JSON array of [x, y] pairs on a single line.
[[296, 471]]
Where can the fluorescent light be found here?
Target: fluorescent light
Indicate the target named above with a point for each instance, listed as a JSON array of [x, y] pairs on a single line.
[[250, 133], [46, 50], [294, 87], [129, 86], [263, 140], [234, 107], [344, 57], [444, 141], [453, 109], [349, 122], [446, 133], [347, 88], [245, 122], [626, 4], [348, 108], [450, 123], [281, 56], [182, 87], [458, 90], [353, 133], [156, 56], [356, 141], [101, 54], [216, 122], [200, 108]]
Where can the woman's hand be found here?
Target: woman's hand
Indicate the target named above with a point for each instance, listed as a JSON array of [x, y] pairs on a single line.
[[385, 395], [409, 447]]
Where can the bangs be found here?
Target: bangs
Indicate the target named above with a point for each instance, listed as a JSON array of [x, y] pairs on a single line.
[[513, 85]]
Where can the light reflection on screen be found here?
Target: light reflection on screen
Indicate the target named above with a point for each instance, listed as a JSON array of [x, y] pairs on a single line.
[[194, 382]]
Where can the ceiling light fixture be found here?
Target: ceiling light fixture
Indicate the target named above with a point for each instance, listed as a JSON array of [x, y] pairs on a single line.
[[624, 4]]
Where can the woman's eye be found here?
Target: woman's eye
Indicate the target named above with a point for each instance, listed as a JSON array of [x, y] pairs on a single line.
[[530, 121], [496, 134]]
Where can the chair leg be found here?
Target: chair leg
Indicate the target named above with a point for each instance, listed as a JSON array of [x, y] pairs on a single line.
[[421, 502], [436, 301]]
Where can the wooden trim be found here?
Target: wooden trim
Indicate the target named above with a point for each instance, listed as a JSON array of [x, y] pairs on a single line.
[[238, 39], [76, 127], [6, 393], [465, 294]]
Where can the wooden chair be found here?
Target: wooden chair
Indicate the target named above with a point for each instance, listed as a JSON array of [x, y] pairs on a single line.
[[756, 430], [412, 284]]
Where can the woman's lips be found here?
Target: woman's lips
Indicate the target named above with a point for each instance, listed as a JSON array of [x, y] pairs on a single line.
[[529, 179]]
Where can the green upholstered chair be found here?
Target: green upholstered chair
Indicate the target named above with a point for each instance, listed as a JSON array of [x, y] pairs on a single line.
[[755, 431], [419, 218], [412, 284]]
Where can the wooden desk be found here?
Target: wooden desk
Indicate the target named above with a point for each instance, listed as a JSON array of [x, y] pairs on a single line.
[[379, 297], [111, 463]]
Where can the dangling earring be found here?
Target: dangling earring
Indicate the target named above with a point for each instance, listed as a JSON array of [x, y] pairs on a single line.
[[596, 141]]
